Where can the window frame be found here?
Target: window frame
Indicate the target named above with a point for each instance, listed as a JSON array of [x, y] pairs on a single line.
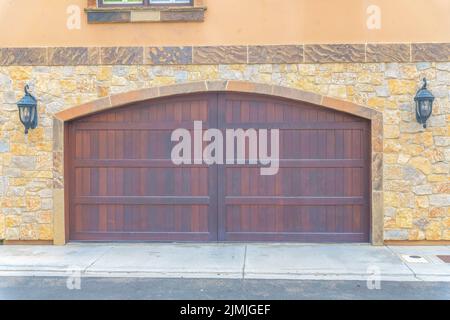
[[145, 4]]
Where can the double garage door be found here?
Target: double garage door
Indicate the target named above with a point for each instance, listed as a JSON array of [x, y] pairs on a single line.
[[123, 185]]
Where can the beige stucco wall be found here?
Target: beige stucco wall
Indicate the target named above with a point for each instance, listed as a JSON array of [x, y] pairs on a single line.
[[416, 161], [43, 23]]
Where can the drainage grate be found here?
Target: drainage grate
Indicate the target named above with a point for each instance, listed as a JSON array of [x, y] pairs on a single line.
[[446, 259], [414, 259]]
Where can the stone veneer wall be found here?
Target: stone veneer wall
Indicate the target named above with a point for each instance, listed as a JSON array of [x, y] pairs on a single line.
[[416, 160]]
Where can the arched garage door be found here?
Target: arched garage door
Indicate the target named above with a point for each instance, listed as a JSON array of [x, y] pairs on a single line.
[[123, 185]]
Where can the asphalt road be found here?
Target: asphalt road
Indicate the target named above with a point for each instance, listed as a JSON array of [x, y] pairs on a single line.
[[49, 288]]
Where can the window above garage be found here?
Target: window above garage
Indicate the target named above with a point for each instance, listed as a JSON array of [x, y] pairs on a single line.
[[134, 11], [144, 3]]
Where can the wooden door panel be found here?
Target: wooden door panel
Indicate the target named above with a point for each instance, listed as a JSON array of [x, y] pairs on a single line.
[[124, 185], [320, 193]]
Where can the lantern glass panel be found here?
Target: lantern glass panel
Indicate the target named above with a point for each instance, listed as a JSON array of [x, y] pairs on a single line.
[[425, 108], [25, 114]]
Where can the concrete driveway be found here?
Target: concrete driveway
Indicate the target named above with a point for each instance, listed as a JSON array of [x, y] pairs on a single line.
[[228, 261]]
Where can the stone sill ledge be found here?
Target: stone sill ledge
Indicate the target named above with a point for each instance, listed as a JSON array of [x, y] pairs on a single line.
[[139, 15]]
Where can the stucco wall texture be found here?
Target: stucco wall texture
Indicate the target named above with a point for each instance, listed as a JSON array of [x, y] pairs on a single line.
[[416, 160], [232, 22]]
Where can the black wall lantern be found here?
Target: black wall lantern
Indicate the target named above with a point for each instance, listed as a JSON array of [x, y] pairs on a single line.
[[424, 104], [28, 110]]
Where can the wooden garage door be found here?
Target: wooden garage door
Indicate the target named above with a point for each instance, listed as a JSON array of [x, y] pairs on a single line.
[[123, 185]]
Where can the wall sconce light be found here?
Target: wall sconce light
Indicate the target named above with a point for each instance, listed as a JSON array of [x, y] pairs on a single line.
[[424, 104], [28, 110]]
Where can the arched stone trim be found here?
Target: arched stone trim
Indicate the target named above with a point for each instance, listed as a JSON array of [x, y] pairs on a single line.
[[123, 99]]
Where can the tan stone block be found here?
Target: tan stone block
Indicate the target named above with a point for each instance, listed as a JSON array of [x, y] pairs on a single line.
[[412, 149], [397, 186], [376, 102], [68, 85], [440, 168], [44, 161], [33, 203], [422, 201], [13, 202], [402, 87], [446, 223], [434, 154], [391, 131], [404, 218], [45, 217], [6, 159], [391, 199], [29, 232], [416, 235], [419, 213], [12, 221], [338, 91], [102, 91], [406, 200], [390, 158], [446, 235], [442, 188], [408, 71], [20, 73], [392, 146], [17, 136], [423, 164], [36, 135], [390, 223], [45, 146], [437, 212], [38, 174], [413, 235], [433, 231], [12, 234], [403, 158], [104, 73], [45, 232], [437, 178], [163, 81], [427, 139], [350, 91], [19, 149], [392, 172], [18, 182], [391, 105]]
